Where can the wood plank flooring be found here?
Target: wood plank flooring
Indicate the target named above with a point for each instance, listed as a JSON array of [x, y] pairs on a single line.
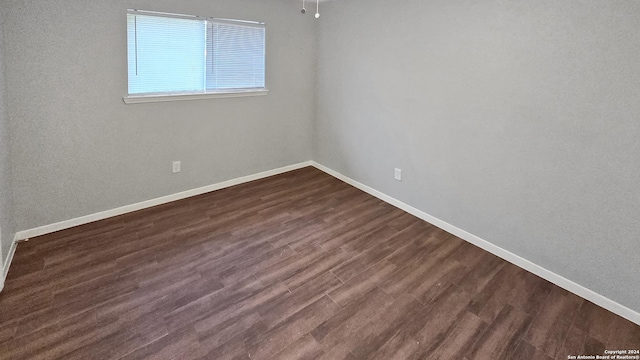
[[295, 266]]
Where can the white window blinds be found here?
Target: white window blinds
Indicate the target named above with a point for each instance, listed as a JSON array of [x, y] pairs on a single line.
[[174, 54], [235, 56]]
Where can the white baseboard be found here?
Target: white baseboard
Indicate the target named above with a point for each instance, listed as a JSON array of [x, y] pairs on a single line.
[[548, 275], [46, 229], [7, 263], [496, 250]]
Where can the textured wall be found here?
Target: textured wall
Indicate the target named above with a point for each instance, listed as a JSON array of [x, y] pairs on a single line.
[[78, 149], [517, 121], [6, 197]]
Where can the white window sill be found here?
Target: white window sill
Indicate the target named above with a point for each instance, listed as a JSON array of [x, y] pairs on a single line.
[[133, 99]]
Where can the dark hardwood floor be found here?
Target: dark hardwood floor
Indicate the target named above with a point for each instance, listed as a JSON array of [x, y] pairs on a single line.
[[296, 266]]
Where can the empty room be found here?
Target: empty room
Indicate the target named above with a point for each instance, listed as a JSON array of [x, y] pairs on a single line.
[[333, 179]]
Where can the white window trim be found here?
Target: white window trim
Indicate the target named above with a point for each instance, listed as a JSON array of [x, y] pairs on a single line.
[[195, 95], [139, 99]]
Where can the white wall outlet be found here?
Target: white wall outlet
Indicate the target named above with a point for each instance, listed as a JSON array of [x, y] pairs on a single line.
[[398, 174], [176, 167]]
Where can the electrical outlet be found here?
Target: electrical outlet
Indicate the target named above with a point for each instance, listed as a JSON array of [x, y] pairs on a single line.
[[398, 174], [176, 167]]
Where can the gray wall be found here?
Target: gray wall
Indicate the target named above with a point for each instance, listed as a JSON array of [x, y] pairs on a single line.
[[517, 121], [6, 197], [78, 149]]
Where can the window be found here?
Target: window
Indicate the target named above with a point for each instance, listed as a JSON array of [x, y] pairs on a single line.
[[174, 56]]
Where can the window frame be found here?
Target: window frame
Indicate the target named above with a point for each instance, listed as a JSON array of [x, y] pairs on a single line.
[[198, 94]]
